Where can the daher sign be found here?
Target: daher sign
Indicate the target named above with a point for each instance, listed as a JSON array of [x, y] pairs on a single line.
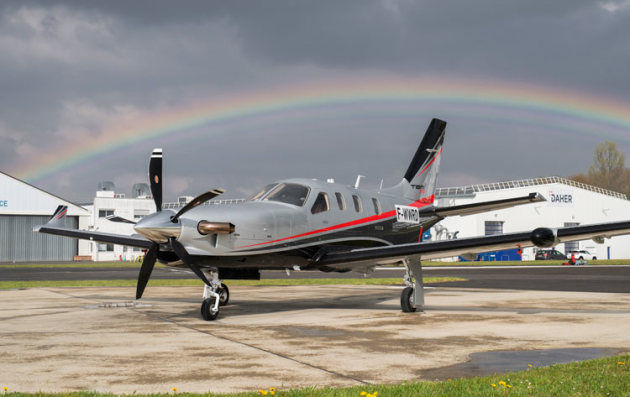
[[561, 198]]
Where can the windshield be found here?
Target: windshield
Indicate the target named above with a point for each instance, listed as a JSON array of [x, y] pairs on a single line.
[[262, 192], [290, 193]]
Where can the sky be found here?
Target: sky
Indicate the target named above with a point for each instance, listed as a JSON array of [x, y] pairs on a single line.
[[242, 93]]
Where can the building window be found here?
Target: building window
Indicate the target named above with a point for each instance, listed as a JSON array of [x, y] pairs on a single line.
[[494, 227], [321, 204], [341, 202], [377, 206], [357, 203], [106, 247], [105, 213]]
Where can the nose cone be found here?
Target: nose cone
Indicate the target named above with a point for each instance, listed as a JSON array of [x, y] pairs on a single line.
[[158, 227]]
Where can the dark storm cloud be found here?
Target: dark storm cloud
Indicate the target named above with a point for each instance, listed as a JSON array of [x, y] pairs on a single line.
[[70, 67]]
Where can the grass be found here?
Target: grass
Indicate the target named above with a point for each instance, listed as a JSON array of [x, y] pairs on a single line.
[[610, 262], [608, 376], [76, 265], [197, 282]]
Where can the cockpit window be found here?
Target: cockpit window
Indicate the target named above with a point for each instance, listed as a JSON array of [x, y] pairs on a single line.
[[290, 193], [261, 193]]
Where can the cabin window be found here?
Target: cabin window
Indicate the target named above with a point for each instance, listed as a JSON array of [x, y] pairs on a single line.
[[377, 206], [357, 203], [262, 192], [341, 202], [321, 204], [290, 193]]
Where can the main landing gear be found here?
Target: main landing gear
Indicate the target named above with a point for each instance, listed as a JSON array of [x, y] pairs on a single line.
[[215, 295], [412, 296]]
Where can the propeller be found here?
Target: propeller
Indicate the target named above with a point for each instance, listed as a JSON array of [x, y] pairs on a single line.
[[155, 178], [202, 198], [181, 252], [161, 228], [146, 269]]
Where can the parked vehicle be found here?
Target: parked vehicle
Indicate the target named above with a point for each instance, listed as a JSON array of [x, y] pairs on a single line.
[[549, 254], [582, 254]]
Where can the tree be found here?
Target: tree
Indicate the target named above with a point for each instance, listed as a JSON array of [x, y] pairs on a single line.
[[608, 167]]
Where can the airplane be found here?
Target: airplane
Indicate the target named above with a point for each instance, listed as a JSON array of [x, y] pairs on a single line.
[[309, 224]]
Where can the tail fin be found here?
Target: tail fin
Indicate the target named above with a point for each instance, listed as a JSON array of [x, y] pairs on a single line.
[[421, 177], [59, 217]]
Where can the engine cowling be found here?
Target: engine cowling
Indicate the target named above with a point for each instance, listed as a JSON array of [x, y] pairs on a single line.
[[543, 237]]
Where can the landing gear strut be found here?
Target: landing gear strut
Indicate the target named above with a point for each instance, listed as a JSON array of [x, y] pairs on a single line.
[[412, 297], [214, 295]]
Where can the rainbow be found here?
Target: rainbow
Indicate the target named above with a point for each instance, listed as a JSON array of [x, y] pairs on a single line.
[[492, 100]]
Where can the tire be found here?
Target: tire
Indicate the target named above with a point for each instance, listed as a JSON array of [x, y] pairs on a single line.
[[594, 258], [206, 310], [224, 295], [406, 300], [581, 258]]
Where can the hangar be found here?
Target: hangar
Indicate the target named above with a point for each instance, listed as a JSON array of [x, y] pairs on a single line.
[[22, 207], [569, 203]]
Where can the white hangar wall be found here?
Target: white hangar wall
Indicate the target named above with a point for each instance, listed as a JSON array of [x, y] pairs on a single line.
[[22, 207], [569, 203]]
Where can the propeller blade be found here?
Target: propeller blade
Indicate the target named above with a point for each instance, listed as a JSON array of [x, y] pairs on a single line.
[[202, 198], [114, 218], [155, 178], [146, 269], [184, 256]]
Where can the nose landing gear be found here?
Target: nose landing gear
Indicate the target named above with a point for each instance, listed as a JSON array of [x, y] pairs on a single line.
[[214, 295]]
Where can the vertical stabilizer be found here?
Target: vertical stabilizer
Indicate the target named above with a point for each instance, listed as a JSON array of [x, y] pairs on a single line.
[[420, 179]]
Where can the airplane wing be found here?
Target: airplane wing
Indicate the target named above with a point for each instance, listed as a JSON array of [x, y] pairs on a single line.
[[477, 208], [55, 226], [542, 237]]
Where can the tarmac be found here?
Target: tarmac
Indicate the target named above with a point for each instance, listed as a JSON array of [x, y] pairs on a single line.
[[69, 339]]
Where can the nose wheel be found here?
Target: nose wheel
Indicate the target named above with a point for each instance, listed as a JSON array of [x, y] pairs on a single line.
[[215, 295]]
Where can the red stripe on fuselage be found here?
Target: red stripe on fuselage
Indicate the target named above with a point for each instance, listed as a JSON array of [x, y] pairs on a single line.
[[430, 162], [418, 203]]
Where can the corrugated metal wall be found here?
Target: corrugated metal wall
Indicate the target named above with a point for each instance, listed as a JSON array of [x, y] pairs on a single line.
[[18, 242]]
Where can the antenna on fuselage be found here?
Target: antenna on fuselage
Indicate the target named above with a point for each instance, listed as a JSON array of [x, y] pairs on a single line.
[[356, 184]]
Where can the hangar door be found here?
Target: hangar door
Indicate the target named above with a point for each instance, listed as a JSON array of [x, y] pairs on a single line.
[[18, 242]]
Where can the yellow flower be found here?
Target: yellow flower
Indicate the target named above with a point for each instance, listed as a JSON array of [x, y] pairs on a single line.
[[529, 365], [174, 389], [272, 389], [375, 394], [6, 388], [618, 363], [494, 385], [508, 386], [272, 392], [502, 383], [263, 392], [363, 393]]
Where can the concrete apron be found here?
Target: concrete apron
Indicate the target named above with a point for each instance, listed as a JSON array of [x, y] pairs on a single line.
[[66, 339]]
